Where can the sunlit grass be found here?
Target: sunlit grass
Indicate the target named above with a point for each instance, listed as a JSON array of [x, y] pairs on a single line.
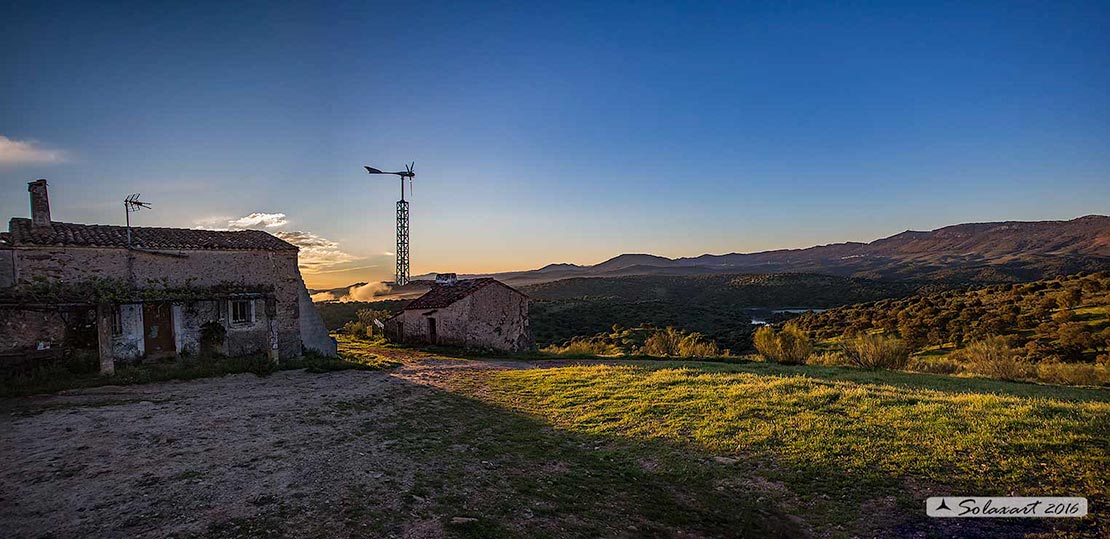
[[848, 438]]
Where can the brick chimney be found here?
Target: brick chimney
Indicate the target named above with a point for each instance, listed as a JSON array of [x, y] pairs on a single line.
[[40, 204]]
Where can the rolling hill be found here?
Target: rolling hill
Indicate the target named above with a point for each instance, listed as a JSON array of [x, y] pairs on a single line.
[[1008, 251]]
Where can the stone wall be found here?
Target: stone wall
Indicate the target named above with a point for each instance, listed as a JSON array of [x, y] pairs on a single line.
[[7, 268], [25, 330], [178, 268], [129, 344], [494, 317], [314, 334], [498, 320]]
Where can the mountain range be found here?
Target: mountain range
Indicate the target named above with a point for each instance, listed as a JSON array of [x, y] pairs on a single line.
[[986, 252]]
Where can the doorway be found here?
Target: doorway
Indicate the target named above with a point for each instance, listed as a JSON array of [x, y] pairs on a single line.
[[431, 330], [158, 330]]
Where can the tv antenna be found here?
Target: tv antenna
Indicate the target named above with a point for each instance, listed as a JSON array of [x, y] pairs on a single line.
[[132, 204], [402, 277]]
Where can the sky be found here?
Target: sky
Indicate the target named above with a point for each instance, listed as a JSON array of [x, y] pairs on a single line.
[[556, 132]]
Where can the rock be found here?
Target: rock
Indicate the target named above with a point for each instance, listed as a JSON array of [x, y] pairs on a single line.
[[463, 520], [725, 460]]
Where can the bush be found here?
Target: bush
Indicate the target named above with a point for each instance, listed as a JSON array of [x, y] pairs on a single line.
[[356, 329], [828, 359], [935, 365], [671, 342], [993, 357], [790, 346], [212, 336], [583, 347], [696, 345], [876, 352], [1078, 374], [663, 343]]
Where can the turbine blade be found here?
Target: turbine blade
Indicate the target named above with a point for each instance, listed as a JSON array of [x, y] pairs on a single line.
[[373, 170]]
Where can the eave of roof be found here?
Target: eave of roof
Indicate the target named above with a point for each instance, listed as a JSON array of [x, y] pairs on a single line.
[[22, 233], [443, 295]]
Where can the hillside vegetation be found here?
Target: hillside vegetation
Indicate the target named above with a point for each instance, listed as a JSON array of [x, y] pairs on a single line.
[[716, 306], [776, 290], [1026, 330]]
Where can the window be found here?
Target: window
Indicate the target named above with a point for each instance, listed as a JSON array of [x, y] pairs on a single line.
[[117, 321], [242, 311]]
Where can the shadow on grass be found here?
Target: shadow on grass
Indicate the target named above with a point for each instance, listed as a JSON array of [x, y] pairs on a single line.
[[486, 471], [503, 473]]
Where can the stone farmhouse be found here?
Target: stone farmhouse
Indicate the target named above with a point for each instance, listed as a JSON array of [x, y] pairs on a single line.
[[147, 293], [471, 313]]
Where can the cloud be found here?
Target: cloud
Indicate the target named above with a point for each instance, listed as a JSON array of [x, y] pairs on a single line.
[[366, 292], [387, 253], [268, 220], [323, 296], [27, 152], [317, 253], [358, 292]]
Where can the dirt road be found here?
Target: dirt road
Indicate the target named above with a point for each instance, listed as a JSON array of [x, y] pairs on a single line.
[[231, 456]]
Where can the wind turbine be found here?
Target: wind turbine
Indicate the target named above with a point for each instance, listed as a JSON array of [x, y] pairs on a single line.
[[402, 222]]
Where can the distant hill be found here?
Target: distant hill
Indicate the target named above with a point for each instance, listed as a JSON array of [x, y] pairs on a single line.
[[1008, 251]]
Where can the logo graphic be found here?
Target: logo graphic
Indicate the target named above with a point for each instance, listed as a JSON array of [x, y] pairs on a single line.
[[1005, 507]]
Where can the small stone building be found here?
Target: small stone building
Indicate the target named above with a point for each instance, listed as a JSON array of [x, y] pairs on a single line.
[[148, 293], [470, 313]]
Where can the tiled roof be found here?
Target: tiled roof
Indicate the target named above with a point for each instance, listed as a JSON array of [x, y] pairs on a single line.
[[442, 295], [20, 232]]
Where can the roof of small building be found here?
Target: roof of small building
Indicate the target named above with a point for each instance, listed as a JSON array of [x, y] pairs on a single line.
[[444, 294], [21, 232]]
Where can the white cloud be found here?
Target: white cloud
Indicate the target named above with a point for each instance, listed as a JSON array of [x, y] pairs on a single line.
[[317, 253], [27, 152], [366, 292], [268, 220], [387, 253]]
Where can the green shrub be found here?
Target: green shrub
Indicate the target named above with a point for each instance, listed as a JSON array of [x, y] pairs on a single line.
[[212, 336], [828, 359], [671, 342], [993, 357], [356, 329], [1078, 374], [876, 351], [789, 346], [935, 365], [583, 347], [663, 343]]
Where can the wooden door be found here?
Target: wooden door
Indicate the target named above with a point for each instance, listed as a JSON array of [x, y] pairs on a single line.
[[158, 330], [432, 330]]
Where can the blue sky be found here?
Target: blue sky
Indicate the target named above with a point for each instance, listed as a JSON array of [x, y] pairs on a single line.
[[560, 133]]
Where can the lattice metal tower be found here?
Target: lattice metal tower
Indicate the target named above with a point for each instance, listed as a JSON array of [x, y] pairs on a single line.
[[402, 277]]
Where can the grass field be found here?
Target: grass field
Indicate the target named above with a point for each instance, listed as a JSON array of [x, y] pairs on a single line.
[[845, 451]]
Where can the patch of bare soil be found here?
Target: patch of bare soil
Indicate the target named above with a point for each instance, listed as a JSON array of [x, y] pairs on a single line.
[[237, 456]]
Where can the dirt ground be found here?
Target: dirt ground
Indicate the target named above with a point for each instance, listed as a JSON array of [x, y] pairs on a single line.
[[391, 453], [231, 456]]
